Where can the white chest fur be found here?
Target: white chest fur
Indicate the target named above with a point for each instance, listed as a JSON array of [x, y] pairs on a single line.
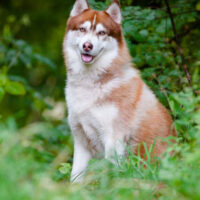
[[95, 120], [83, 95]]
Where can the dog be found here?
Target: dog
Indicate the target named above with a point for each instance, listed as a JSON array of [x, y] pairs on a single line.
[[109, 105]]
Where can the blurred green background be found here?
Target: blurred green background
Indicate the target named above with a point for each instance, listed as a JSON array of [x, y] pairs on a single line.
[[36, 146]]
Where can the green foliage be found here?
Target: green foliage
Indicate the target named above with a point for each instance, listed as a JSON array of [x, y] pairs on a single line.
[[185, 108], [17, 59], [150, 39], [35, 142]]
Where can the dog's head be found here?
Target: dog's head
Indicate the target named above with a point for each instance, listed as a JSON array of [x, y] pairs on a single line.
[[92, 35]]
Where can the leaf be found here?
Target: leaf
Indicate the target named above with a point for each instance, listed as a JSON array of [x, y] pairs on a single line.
[[198, 6], [3, 79], [2, 92], [65, 168], [45, 60], [15, 88], [144, 33], [26, 60]]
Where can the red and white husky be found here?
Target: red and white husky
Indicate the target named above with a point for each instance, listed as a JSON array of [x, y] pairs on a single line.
[[109, 105]]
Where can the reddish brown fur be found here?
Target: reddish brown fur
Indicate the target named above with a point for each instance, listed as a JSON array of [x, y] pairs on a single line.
[[112, 27], [156, 126], [126, 98]]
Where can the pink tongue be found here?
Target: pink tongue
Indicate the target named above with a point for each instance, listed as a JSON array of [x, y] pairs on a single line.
[[87, 58]]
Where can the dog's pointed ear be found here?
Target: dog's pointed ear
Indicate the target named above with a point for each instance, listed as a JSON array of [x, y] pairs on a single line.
[[79, 7], [114, 11]]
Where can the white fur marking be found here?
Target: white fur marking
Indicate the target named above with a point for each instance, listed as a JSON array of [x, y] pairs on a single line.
[[80, 160], [100, 27], [86, 25], [94, 20]]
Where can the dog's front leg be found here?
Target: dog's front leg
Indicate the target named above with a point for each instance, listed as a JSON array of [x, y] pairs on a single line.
[[82, 155], [114, 149]]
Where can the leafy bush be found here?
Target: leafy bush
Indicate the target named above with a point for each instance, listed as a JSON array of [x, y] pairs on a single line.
[[17, 66]]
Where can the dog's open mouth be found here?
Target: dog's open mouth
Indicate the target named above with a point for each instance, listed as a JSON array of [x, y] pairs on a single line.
[[86, 58]]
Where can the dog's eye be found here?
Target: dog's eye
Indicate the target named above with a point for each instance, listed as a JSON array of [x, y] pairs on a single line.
[[83, 30], [101, 33]]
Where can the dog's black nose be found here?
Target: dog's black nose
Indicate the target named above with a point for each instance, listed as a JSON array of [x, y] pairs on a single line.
[[87, 46]]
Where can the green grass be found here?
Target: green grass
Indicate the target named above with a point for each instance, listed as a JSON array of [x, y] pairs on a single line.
[[35, 163], [25, 176]]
